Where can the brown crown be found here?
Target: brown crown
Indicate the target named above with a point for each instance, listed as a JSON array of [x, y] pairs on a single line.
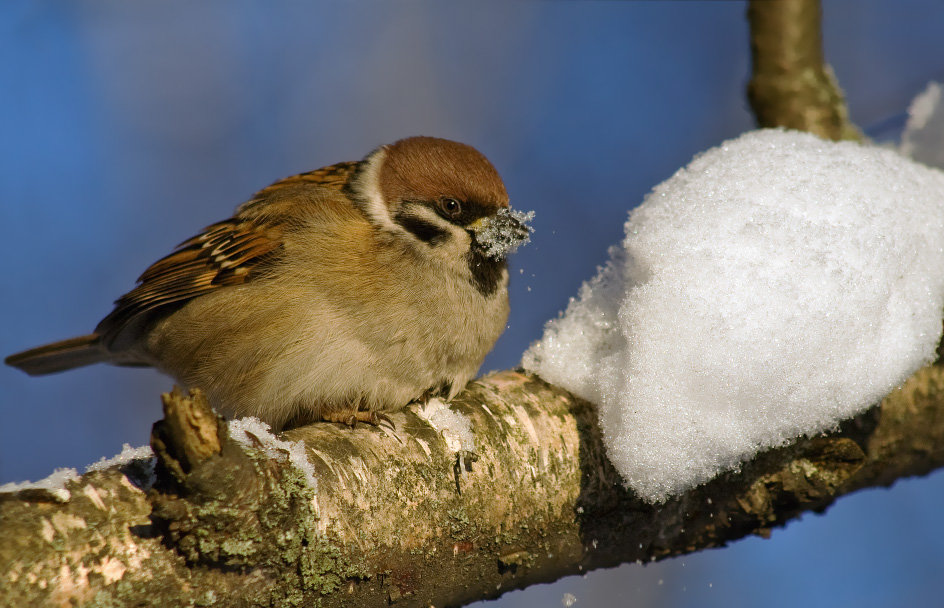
[[429, 168]]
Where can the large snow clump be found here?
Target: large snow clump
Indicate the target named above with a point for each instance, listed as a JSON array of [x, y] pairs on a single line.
[[774, 287]]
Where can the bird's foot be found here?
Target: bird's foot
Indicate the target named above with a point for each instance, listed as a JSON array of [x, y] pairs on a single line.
[[367, 417]]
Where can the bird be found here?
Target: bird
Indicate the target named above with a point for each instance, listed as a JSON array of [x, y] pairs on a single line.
[[338, 295]]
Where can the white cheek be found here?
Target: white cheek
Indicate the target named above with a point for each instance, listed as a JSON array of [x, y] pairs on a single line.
[[372, 201]]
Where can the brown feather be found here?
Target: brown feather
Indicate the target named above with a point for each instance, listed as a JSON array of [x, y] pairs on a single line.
[[230, 252], [59, 356], [333, 177]]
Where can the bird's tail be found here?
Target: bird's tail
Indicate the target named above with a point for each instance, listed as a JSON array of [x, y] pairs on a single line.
[[60, 356]]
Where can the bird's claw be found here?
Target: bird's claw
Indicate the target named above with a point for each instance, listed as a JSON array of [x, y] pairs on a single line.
[[372, 418]]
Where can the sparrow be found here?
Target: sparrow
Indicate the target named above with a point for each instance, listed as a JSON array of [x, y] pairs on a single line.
[[340, 294]]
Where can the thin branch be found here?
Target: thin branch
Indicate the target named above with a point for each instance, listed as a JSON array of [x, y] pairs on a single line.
[[791, 85]]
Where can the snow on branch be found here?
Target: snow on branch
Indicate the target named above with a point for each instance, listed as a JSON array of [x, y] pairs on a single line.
[[777, 285]]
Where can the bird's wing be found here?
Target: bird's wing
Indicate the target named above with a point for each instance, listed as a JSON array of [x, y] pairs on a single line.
[[333, 177], [230, 252]]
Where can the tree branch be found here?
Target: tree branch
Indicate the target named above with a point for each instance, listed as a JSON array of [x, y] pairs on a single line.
[[398, 518], [791, 85]]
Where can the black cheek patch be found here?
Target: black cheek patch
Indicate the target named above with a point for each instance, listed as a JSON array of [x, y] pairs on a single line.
[[423, 229], [486, 272]]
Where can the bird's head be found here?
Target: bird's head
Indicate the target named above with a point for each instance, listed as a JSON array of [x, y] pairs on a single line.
[[446, 199]]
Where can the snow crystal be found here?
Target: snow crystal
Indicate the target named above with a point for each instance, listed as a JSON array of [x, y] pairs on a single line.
[[455, 428], [127, 455], [776, 286], [923, 139], [143, 456], [240, 430], [55, 484], [503, 233]]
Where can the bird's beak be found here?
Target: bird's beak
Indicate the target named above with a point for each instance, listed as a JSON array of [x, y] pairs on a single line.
[[501, 234]]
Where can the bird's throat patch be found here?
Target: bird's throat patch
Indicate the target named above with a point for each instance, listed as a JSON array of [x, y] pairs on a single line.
[[486, 272]]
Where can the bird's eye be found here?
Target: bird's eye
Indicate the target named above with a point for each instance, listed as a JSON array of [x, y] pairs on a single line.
[[450, 207]]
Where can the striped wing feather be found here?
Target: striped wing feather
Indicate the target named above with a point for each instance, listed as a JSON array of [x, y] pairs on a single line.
[[230, 252]]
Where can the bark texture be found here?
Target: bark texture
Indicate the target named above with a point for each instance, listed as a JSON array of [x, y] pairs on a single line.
[[791, 86], [399, 517]]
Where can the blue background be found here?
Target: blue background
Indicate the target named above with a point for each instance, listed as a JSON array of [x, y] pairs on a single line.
[[126, 127]]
